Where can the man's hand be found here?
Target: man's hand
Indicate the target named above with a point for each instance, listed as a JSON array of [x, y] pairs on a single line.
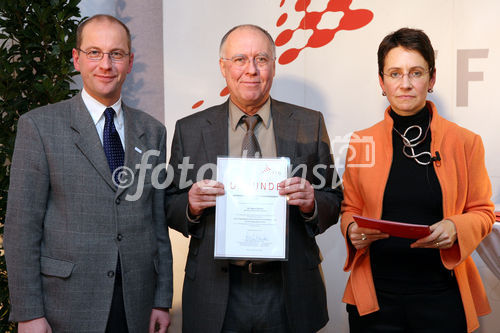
[[299, 192], [202, 195], [38, 325], [159, 321]]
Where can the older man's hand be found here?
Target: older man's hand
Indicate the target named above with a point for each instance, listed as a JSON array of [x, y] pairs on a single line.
[[203, 194], [299, 192]]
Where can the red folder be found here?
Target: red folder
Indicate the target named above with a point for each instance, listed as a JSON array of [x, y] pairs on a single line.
[[396, 229]]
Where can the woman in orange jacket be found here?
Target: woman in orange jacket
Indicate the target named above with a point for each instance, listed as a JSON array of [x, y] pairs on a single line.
[[424, 170]]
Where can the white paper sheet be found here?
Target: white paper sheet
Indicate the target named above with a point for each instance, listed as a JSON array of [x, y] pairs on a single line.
[[251, 218]]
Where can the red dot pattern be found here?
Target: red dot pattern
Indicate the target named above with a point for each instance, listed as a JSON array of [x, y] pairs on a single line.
[[351, 20]]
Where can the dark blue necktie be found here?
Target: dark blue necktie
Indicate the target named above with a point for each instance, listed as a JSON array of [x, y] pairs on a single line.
[[111, 142]]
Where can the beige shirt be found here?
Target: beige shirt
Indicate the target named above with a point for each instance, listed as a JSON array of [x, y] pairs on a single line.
[[264, 131]]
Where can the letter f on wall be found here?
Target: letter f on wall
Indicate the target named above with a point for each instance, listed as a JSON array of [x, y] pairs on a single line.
[[463, 74]]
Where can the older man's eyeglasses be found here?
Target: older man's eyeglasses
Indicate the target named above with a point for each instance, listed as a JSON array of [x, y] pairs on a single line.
[[96, 55], [413, 75], [261, 61]]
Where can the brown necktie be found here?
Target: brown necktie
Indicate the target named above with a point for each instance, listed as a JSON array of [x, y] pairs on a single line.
[[250, 146]]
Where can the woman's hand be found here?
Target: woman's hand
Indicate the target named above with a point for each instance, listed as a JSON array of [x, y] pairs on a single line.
[[443, 236], [363, 237]]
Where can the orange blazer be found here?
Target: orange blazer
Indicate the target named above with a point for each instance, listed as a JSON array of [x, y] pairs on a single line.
[[466, 192]]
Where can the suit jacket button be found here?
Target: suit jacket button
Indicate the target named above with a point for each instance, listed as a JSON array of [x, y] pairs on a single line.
[[119, 237], [111, 274], [117, 201], [224, 269]]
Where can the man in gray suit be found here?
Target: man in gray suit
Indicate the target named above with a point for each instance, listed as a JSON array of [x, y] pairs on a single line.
[[249, 296], [80, 256]]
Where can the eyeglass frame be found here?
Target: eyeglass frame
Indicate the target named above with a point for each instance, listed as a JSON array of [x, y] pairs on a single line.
[[103, 53], [430, 70], [253, 59]]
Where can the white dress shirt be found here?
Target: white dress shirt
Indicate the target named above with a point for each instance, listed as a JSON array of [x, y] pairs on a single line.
[[96, 110]]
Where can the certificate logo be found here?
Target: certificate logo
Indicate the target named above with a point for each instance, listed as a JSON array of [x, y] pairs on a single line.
[[270, 172]]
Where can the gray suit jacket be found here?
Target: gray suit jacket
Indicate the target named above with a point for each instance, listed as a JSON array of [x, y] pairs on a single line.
[[66, 222], [300, 135]]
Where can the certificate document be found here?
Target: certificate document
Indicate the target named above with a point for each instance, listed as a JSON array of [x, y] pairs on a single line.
[[251, 217]]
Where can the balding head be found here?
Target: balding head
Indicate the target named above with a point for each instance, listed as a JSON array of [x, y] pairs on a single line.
[[272, 46], [101, 18]]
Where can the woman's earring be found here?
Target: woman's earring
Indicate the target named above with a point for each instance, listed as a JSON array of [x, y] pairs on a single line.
[[430, 91], [383, 93]]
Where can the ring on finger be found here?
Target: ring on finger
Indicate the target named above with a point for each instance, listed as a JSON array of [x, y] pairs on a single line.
[[363, 237], [437, 244]]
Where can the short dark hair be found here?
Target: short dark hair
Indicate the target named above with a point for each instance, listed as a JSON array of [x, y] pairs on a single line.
[[101, 17], [248, 26], [410, 39]]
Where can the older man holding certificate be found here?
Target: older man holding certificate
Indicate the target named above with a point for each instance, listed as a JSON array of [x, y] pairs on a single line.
[[250, 218], [287, 293]]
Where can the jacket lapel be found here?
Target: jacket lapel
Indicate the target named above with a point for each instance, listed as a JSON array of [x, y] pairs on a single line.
[[285, 130], [133, 139], [87, 140], [215, 136]]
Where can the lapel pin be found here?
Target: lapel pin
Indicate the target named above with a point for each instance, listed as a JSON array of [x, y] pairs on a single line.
[[138, 150]]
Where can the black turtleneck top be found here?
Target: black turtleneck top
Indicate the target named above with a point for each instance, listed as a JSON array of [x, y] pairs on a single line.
[[412, 195]]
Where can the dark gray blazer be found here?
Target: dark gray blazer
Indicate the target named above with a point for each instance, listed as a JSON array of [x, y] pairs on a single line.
[[66, 222], [300, 135]]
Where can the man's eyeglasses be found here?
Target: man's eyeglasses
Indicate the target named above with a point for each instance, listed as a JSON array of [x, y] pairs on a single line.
[[261, 61], [413, 75], [96, 55]]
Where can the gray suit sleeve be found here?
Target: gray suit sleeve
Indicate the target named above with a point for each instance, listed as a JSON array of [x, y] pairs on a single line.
[[176, 199], [27, 201], [164, 287]]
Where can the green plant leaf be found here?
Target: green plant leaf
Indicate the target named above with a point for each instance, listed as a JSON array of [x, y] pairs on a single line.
[[36, 41]]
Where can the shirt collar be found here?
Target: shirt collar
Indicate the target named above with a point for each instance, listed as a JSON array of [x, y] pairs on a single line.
[[96, 108], [235, 114]]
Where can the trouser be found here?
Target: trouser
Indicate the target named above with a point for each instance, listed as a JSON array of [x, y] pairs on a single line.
[[433, 312], [256, 300], [117, 321]]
